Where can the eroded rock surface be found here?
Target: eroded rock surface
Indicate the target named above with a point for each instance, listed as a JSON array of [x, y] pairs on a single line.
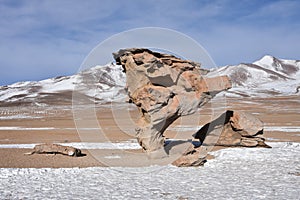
[[55, 149], [164, 88], [233, 128]]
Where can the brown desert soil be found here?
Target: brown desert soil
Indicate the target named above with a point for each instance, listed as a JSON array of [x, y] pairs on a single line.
[[275, 112]]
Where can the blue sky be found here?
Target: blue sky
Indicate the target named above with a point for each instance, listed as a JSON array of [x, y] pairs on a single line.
[[41, 39]]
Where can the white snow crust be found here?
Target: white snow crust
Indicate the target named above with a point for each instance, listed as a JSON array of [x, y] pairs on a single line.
[[235, 173], [82, 145]]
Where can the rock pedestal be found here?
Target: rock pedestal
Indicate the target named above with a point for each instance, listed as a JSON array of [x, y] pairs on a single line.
[[164, 87]]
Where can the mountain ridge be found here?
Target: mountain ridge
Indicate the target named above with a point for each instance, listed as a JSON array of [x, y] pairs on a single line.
[[265, 77], [103, 84]]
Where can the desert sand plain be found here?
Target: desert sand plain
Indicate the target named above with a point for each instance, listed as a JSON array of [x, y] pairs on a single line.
[[55, 124]]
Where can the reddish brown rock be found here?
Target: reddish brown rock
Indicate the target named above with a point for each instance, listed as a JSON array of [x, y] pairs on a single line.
[[164, 87], [55, 149], [190, 158], [233, 128]]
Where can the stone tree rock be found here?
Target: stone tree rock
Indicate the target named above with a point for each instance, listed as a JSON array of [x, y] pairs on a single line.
[[233, 128], [164, 87]]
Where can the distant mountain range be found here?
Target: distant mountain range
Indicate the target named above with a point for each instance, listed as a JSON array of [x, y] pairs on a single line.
[[102, 84], [266, 77]]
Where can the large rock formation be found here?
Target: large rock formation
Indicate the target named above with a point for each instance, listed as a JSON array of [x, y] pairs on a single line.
[[233, 128], [164, 88]]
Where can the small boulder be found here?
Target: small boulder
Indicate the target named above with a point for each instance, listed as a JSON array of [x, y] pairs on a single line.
[[55, 149]]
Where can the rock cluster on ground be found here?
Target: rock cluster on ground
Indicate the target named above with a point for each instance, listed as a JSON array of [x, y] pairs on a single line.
[[233, 128]]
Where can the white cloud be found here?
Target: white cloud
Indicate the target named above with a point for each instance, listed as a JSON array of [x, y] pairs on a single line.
[[59, 34]]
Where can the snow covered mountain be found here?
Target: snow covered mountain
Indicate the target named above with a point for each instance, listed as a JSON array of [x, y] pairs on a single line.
[[101, 84], [265, 77]]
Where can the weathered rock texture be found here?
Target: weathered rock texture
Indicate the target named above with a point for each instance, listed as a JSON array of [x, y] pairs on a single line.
[[164, 88], [233, 128], [191, 158], [55, 149]]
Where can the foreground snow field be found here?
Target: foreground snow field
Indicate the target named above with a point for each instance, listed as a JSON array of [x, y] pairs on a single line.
[[238, 173]]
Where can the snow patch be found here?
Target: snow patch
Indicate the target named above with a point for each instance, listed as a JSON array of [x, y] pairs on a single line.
[[282, 128], [13, 128], [19, 117], [80, 145]]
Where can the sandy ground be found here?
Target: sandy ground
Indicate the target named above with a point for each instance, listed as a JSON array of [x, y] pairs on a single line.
[[281, 117]]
